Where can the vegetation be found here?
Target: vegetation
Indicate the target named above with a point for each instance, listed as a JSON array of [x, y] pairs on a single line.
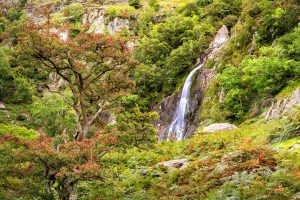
[[77, 107]]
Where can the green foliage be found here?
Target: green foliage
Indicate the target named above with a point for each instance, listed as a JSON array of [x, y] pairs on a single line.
[[168, 53], [21, 132], [145, 21], [121, 11], [71, 13], [278, 18], [135, 3], [134, 127], [259, 77], [14, 14], [53, 114], [154, 4], [204, 2], [13, 88]]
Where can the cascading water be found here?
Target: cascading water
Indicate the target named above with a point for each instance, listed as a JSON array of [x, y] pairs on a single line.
[[177, 128]]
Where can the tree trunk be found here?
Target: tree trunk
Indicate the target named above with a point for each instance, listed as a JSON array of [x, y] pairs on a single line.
[[68, 191], [81, 134], [73, 192]]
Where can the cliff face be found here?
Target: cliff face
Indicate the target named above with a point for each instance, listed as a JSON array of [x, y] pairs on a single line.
[[168, 105]]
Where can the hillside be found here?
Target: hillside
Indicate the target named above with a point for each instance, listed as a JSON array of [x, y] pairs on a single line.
[[150, 99]]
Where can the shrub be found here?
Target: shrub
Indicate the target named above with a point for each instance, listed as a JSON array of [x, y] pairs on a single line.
[[154, 4], [53, 114], [19, 131], [135, 3]]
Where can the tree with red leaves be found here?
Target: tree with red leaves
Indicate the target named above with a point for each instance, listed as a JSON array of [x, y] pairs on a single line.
[[61, 166], [94, 67]]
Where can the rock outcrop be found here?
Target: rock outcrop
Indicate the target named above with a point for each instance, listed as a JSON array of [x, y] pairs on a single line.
[[175, 164], [96, 18], [168, 105], [283, 106], [219, 127]]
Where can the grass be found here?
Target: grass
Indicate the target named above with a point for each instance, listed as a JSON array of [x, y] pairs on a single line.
[[286, 145]]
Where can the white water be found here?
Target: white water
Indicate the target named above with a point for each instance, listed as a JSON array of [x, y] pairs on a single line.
[[177, 128]]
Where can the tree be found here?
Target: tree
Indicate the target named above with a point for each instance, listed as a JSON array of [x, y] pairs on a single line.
[[58, 164], [134, 127], [13, 87], [94, 68]]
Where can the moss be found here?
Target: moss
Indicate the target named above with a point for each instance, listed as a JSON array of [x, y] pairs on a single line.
[[286, 91]]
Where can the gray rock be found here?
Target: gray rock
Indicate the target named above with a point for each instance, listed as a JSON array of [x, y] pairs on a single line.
[[221, 37], [2, 106], [219, 127], [283, 106], [117, 25], [96, 18], [175, 164]]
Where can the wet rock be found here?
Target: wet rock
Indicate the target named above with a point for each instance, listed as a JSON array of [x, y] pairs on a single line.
[[219, 127], [166, 110], [2, 106], [283, 106], [175, 164]]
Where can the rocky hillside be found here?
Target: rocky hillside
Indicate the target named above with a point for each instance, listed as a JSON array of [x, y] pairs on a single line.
[[87, 87]]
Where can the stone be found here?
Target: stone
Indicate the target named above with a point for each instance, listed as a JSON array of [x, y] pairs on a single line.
[[175, 164], [221, 37], [117, 25], [283, 106], [219, 127], [2, 106]]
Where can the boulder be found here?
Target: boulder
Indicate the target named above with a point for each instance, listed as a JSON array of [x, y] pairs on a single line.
[[175, 164], [2, 106], [219, 127]]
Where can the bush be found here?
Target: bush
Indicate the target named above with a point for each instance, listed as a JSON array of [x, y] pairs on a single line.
[[135, 3], [154, 4], [13, 88], [53, 114], [19, 131]]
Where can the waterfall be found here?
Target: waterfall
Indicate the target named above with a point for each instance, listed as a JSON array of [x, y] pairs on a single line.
[[177, 128]]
